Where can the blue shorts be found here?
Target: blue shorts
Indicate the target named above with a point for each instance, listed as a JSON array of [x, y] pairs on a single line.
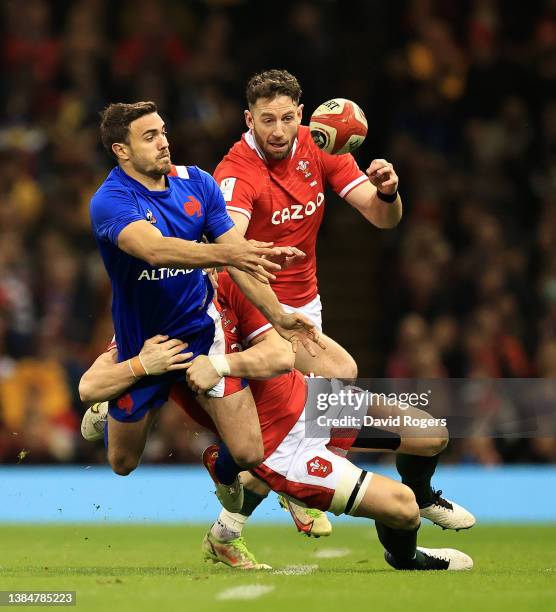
[[151, 392]]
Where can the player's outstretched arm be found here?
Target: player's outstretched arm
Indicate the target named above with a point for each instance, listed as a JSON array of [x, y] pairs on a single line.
[[107, 378], [268, 355], [143, 241], [286, 256], [378, 199]]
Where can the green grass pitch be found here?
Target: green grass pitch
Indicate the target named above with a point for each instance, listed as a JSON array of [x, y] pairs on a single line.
[[158, 568]]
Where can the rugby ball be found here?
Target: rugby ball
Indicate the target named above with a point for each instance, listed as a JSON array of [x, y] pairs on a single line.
[[338, 126]]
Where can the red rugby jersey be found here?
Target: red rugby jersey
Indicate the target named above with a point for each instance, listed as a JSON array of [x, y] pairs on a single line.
[[279, 400], [284, 201]]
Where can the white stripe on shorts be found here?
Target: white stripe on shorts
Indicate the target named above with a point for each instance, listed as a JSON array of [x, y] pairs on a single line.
[[218, 348]]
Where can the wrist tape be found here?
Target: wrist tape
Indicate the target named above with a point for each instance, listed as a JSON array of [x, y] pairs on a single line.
[[220, 364]]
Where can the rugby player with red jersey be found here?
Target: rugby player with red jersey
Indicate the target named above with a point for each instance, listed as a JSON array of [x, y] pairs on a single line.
[[273, 181]]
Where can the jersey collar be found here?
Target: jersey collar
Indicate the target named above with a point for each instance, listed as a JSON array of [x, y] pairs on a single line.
[[140, 187]]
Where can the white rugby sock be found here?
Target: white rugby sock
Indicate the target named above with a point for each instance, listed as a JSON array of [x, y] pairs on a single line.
[[228, 526]]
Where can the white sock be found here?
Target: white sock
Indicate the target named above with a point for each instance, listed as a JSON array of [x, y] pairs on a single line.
[[228, 526]]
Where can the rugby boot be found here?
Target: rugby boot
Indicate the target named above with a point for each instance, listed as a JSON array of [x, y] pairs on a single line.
[[309, 521], [94, 422], [434, 559], [447, 513], [233, 553]]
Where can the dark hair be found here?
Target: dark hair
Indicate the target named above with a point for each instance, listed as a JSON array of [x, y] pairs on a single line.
[[272, 83], [115, 120]]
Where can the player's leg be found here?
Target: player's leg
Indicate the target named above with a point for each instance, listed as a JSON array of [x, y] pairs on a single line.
[[393, 507], [416, 461], [237, 423], [418, 453], [236, 420], [232, 410], [130, 418], [322, 479], [332, 362], [233, 416], [126, 442], [224, 542], [125, 439]]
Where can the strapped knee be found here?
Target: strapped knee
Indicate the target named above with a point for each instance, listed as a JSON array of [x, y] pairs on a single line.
[[350, 490]]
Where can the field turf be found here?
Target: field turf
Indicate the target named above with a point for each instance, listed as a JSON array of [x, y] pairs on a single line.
[[158, 568]]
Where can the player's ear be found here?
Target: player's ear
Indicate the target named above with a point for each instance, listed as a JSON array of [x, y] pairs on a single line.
[[120, 151], [300, 112], [249, 119]]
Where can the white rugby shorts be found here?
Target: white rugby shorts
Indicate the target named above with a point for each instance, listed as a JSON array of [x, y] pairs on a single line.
[[312, 310], [306, 470]]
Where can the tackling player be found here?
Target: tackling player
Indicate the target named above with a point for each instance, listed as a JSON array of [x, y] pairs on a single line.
[[304, 468], [148, 223]]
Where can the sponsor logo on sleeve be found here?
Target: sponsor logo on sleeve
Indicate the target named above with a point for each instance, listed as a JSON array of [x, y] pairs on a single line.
[[227, 188]]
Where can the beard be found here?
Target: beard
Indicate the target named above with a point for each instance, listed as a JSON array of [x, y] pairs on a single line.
[[159, 168], [278, 155], [164, 165], [271, 153]]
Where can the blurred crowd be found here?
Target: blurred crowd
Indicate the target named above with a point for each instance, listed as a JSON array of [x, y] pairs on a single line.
[[460, 96]]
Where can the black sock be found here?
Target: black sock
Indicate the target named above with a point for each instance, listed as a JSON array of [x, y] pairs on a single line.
[[250, 501], [225, 468], [400, 543], [416, 473]]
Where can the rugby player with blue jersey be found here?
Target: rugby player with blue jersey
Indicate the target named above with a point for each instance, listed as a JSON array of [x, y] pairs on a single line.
[[149, 220]]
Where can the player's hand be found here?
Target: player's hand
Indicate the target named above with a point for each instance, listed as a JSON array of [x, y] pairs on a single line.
[[251, 257], [201, 374], [296, 328], [212, 273], [286, 256], [383, 176], [161, 354]]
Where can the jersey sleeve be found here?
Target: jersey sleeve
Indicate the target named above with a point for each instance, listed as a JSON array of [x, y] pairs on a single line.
[[251, 321], [238, 191], [111, 211], [217, 220], [342, 173]]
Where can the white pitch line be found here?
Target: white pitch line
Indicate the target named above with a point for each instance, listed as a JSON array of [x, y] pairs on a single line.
[[246, 591], [332, 553], [296, 570]]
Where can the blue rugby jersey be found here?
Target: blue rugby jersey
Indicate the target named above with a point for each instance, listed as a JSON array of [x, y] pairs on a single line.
[[146, 300]]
